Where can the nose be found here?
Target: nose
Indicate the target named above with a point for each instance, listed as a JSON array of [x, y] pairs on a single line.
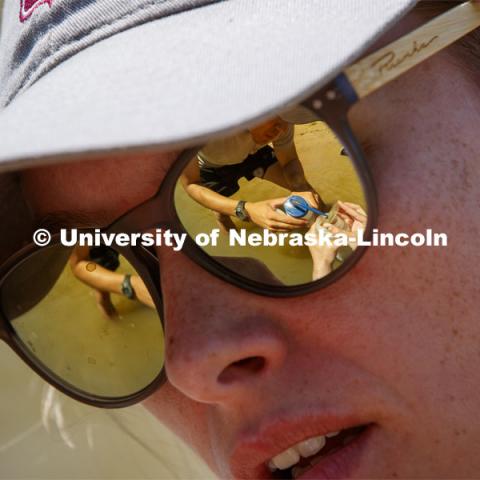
[[221, 342]]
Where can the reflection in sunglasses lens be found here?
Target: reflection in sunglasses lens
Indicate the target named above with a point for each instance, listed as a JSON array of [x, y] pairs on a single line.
[[272, 191], [86, 316]]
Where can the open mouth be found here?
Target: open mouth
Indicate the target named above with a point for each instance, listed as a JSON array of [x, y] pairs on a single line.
[[303, 456]]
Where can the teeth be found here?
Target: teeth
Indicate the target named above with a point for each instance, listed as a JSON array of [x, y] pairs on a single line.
[[286, 459], [306, 449], [311, 446]]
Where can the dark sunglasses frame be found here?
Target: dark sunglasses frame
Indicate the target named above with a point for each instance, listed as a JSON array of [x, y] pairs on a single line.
[[330, 104]]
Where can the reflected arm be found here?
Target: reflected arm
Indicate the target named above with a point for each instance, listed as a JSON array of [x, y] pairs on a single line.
[[103, 280], [263, 213], [190, 180], [92, 274]]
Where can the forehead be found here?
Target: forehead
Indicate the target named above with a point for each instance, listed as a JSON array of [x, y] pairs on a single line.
[[99, 189]]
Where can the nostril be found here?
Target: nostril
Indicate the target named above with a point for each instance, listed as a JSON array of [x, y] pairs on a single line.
[[242, 369]]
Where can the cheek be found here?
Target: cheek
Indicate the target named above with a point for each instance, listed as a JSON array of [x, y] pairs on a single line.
[[423, 300], [184, 417]]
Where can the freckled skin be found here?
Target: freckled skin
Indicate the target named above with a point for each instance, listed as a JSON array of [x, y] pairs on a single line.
[[398, 337]]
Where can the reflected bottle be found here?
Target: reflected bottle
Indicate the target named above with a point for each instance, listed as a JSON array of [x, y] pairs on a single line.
[[297, 207]]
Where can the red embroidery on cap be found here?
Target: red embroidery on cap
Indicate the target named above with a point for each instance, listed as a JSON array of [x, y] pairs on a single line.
[[27, 7]]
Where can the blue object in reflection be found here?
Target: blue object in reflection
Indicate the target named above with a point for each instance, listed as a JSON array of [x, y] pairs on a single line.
[[298, 207]]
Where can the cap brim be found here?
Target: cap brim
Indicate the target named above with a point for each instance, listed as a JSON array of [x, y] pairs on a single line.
[[177, 80]]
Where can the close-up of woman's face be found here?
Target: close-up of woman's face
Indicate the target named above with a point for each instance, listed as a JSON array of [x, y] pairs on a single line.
[[381, 366]]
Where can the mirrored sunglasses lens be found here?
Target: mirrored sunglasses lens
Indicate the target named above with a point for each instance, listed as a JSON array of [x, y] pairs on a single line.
[[86, 316], [299, 186]]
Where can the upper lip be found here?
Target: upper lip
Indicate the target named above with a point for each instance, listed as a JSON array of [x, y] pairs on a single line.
[[253, 449]]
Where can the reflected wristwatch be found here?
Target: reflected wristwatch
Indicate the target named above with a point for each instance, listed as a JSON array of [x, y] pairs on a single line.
[[240, 211], [127, 288]]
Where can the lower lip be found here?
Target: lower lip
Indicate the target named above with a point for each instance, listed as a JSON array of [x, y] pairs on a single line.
[[342, 464]]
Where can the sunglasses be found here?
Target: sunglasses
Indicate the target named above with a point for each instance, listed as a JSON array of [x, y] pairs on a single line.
[[89, 320]]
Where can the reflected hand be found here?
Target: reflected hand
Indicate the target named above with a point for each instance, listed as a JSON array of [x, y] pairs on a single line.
[[265, 215], [322, 256], [141, 291], [354, 215]]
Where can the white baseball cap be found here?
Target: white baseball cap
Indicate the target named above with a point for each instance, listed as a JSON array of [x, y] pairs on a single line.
[[89, 76]]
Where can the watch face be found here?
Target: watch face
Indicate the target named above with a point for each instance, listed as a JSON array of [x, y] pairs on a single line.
[[127, 289], [240, 211]]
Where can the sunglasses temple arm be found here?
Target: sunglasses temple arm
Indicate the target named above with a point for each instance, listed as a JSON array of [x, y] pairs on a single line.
[[388, 63]]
